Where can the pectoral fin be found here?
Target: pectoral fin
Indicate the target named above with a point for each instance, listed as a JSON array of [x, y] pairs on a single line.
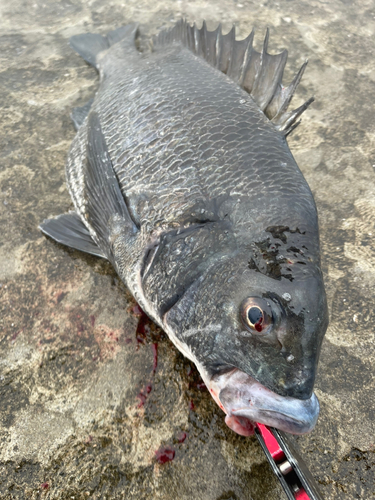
[[68, 229], [105, 208]]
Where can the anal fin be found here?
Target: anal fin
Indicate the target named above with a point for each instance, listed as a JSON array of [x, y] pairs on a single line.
[[68, 229], [80, 112]]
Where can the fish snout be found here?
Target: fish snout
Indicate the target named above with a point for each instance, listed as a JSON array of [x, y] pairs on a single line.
[[300, 385], [250, 402]]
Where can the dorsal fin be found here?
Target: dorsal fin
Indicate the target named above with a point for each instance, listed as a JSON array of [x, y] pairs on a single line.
[[259, 73]]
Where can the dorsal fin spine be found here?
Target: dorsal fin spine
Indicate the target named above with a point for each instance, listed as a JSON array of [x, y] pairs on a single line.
[[288, 94], [291, 118], [197, 40], [265, 42], [218, 45], [205, 46], [262, 59], [246, 57], [232, 45], [278, 75]]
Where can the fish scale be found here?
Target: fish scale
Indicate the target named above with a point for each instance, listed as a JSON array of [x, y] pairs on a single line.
[[181, 176], [191, 105]]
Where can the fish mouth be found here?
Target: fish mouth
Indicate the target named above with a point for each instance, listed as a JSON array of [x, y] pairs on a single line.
[[246, 402]]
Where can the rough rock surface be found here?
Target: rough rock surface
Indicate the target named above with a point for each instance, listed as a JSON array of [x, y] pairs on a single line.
[[84, 405]]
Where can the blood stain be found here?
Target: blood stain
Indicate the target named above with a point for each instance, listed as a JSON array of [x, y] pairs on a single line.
[[136, 310], [165, 454], [143, 328], [181, 437], [142, 395], [154, 348], [15, 335]]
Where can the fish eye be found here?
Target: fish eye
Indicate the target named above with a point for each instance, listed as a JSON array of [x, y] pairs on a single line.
[[256, 315]]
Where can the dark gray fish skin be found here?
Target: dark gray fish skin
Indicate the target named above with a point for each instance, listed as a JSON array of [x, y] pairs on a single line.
[[210, 208]]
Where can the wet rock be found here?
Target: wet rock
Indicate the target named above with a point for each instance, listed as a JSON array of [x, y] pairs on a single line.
[[74, 362]]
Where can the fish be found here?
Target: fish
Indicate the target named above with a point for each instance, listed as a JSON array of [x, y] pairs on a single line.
[[182, 178]]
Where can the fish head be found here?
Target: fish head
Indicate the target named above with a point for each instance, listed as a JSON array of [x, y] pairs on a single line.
[[256, 339]]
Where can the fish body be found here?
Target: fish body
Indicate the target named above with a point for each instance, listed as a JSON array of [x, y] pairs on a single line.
[[181, 176]]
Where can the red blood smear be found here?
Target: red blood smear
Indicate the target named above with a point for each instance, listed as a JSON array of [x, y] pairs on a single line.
[[154, 348], [181, 437], [15, 335], [142, 329], [258, 325], [164, 454], [142, 396], [197, 384], [191, 405], [137, 310], [111, 335], [44, 486]]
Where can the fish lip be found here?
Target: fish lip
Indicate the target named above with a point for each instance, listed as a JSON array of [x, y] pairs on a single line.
[[244, 397], [280, 419], [243, 413], [237, 413]]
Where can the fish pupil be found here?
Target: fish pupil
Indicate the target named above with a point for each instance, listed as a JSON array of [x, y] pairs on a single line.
[[255, 316]]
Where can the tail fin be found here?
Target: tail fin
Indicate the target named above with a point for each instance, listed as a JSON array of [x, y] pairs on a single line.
[[89, 45]]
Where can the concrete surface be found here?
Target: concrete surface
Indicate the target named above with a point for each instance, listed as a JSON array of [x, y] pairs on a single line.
[[83, 409]]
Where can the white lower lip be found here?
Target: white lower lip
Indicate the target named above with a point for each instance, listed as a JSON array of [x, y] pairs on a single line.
[[246, 412], [248, 399], [281, 420]]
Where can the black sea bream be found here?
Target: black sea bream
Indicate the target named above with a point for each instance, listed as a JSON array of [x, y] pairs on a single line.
[[182, 178]]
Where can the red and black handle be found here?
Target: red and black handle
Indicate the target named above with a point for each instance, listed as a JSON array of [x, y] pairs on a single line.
[[287, 465]]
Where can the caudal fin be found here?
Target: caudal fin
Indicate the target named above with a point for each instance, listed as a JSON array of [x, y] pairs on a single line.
[[89, 45]]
